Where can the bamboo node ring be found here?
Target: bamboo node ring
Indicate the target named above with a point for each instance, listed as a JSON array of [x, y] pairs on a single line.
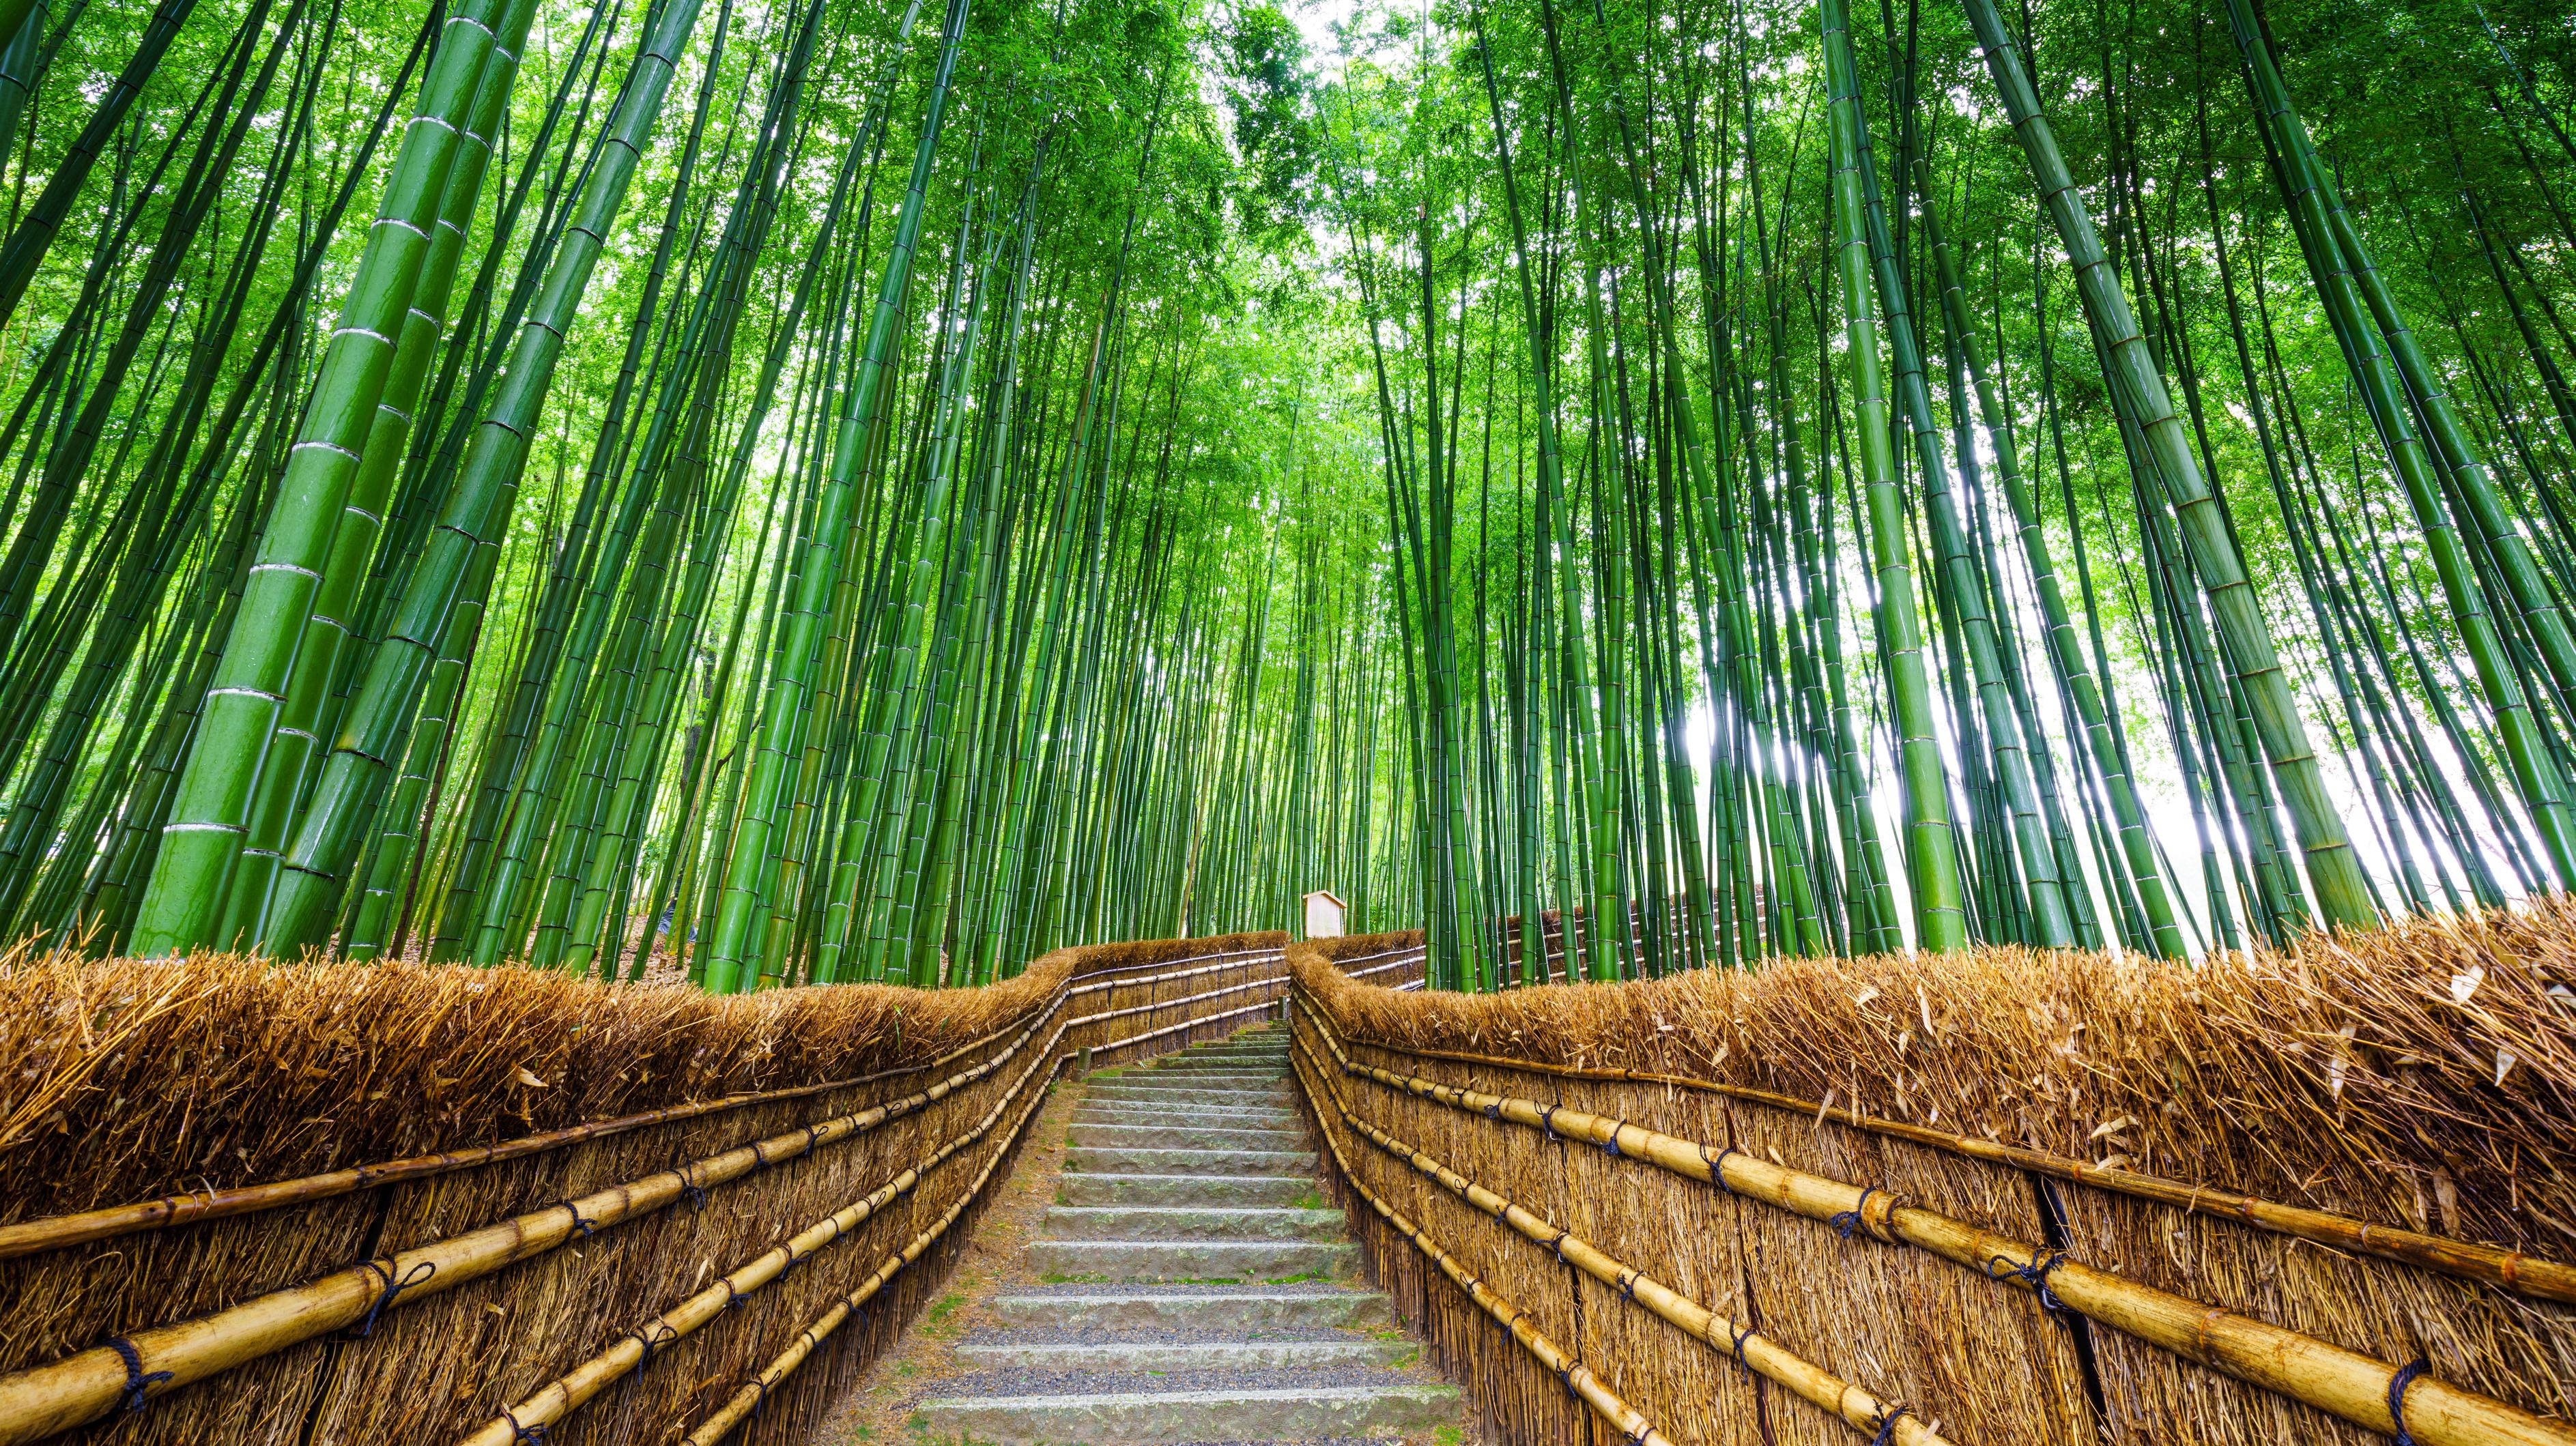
[[2406, 1376], [137, 1380], [2034, 1275], [1887, 1424], [419, 1274]]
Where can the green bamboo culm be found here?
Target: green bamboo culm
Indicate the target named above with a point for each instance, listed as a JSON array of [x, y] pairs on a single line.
[[2138, 385], [749, 873], [478, 509], [211, 813], [1940, 914]]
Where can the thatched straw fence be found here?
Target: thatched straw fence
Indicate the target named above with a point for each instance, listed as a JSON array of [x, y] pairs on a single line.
[[430, 1204], [2266, 1200]]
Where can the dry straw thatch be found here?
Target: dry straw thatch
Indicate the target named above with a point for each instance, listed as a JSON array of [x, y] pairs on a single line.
[[128, 1080], [2358, 1077]]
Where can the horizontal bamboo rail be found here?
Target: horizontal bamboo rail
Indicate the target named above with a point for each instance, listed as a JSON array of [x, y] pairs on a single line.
[[746, 1400], [82, 1387], [1578, 1379], [2537, 1277], [2365, 1391], [1855, 1407], [1095, 980], [1133, 1009], [58, 1232], [567, 1393], [43, 1400], [1133, 1040]]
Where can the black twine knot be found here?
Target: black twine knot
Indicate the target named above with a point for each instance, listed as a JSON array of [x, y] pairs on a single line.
[[137, 1380], [733, 1297], [1494, 1111], [1558, 1245], [812, 1137], [2406, 1376], [1628, 1285], [1887, 1424], [690, 1189], [2034, 1275], [578, 1223], [1739, 1336], [419, 1274], [1717, 1167], [759, 1397], [1845, 1222], [1565, 1378], [1547, 1122], [652, 1343], [519, 1433], [1612, 1144]]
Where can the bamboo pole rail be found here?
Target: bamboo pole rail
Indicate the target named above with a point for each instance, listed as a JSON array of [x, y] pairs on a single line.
[[2365, 1391], [1578, 1379], [567, 1393], [58, 1232], [1175, 1003], [1859, 1409], [43, 1400], [82, 1387], [747, 1399], [2534, 1276], [1094, 980]]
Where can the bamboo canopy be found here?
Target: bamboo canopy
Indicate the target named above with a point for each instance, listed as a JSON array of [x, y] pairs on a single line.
[[851, 491]]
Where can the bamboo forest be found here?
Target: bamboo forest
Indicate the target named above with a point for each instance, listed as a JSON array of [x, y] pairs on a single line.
[[803, 491]]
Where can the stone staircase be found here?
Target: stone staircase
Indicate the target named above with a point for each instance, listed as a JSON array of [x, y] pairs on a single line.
[[1196, 1290]]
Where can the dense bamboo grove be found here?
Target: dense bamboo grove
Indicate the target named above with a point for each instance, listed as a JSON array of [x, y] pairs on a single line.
[[814, 492]]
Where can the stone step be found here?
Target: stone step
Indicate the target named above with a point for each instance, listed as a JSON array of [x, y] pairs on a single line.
[[1149, 1112], [1246, 1058], [1148, 1262], [1197, 1311], [1275, 1191], [1184, 1137], [1171, 1091], [1190, 1222], [1182, 1355], [1110, 1161], [1150, 1418], [1185, 1078]]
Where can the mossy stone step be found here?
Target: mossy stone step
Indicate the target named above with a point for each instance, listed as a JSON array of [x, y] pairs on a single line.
[[1117, 1160], [1215, 1262], [1184, 1136], [1145, 1418], [1275, 1191], [1253, 1308], [1191, 1222]]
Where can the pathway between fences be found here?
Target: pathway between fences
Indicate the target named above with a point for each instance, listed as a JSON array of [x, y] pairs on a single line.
[[1992, 1197]]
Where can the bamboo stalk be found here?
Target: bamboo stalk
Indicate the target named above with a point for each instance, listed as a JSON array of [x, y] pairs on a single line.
[[2348, 1384], [1856, 1408]]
